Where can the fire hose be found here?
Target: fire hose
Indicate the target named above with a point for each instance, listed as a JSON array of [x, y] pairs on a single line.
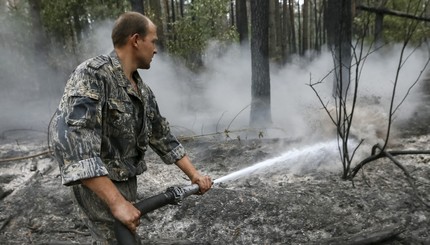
[[173, 195]]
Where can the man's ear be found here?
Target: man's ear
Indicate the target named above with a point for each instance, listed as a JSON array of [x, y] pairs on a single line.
[[133, 39]]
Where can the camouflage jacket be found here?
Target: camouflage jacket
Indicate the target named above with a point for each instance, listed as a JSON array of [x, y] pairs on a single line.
[[103, 126]]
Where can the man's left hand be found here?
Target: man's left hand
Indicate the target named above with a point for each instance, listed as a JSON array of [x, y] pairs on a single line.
[[204, 182]]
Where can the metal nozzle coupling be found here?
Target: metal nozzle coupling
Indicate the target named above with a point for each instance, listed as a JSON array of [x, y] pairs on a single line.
[[179, 193]]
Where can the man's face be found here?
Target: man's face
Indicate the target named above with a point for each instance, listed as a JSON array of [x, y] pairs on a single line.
[[147, 48]]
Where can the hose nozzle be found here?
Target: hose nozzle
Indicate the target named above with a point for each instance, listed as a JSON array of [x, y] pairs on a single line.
[[179, 193]]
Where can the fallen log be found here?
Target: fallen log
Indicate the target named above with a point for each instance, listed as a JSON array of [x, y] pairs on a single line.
[[370, 236]]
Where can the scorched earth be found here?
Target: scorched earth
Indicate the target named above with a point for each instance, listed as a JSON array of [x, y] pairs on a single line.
[[298, 201]]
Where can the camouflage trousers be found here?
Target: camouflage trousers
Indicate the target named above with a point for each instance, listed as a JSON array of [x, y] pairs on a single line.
[[96, 215]]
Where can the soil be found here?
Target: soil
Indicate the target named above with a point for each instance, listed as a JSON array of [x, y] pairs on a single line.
[[304, 203]]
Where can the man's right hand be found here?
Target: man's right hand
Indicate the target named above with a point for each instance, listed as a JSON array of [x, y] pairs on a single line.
[[127, 213], [120, 208]]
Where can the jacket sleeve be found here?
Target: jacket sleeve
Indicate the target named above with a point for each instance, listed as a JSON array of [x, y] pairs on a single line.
[[78, 128], [162, 141]]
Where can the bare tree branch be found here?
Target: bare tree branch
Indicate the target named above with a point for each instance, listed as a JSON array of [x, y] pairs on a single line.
[[391, 12]]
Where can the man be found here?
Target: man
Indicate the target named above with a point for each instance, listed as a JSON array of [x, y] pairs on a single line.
[[106, 119]]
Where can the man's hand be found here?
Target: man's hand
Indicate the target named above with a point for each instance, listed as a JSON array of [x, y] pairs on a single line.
[[204, 182], [127, 214], [120, 208]]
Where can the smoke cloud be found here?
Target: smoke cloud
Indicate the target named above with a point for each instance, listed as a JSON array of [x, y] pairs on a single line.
[[219, 98]]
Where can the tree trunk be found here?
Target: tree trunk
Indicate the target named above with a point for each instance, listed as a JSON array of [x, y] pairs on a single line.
[[232, 13], [242, 22], [379, 24], [166, 15], [318, 27], [155, 6], [260, 89], [169, 33], [77, 25], [338, 20], [137, 6], [285, 28], [40, 49], [181, 8], [278, 26], [305, 27], [299, 27], [173, 13], [293, 43], [273, 28], [40, 39]]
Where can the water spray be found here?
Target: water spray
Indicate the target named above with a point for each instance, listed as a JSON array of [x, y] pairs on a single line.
[[311, 153]]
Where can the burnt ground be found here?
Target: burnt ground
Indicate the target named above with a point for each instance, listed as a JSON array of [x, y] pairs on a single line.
[[302, 204]]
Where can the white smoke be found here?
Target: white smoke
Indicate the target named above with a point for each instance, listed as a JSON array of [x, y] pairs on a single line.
[[219, 97], [214, 99]]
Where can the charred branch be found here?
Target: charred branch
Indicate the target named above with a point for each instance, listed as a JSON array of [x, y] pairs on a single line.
[[385, 11], [390, 155], [382, 154], [25, 157]]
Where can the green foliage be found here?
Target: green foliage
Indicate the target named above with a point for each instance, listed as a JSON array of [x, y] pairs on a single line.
[[57, 16], [363, 24], [69, 19], [203, 21], [396, 29], [69, 23]]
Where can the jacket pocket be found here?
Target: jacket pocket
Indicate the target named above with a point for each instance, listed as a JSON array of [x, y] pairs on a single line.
[[82, 112], [120, 118]]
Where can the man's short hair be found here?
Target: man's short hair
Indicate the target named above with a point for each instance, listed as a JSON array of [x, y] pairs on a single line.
[[128, 24]]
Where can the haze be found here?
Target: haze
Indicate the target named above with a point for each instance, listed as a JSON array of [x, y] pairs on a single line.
[[218, 98]]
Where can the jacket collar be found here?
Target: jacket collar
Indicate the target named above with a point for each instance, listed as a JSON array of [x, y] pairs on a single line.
[[122, 78], [118, 71]]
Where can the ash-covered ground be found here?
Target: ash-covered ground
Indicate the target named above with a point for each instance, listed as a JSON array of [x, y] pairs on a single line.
[[299, 201]]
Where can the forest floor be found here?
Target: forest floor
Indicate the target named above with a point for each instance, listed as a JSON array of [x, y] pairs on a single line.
[[299, 201]]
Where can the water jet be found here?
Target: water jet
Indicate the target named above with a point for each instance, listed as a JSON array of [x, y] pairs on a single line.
[[295, 159]]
